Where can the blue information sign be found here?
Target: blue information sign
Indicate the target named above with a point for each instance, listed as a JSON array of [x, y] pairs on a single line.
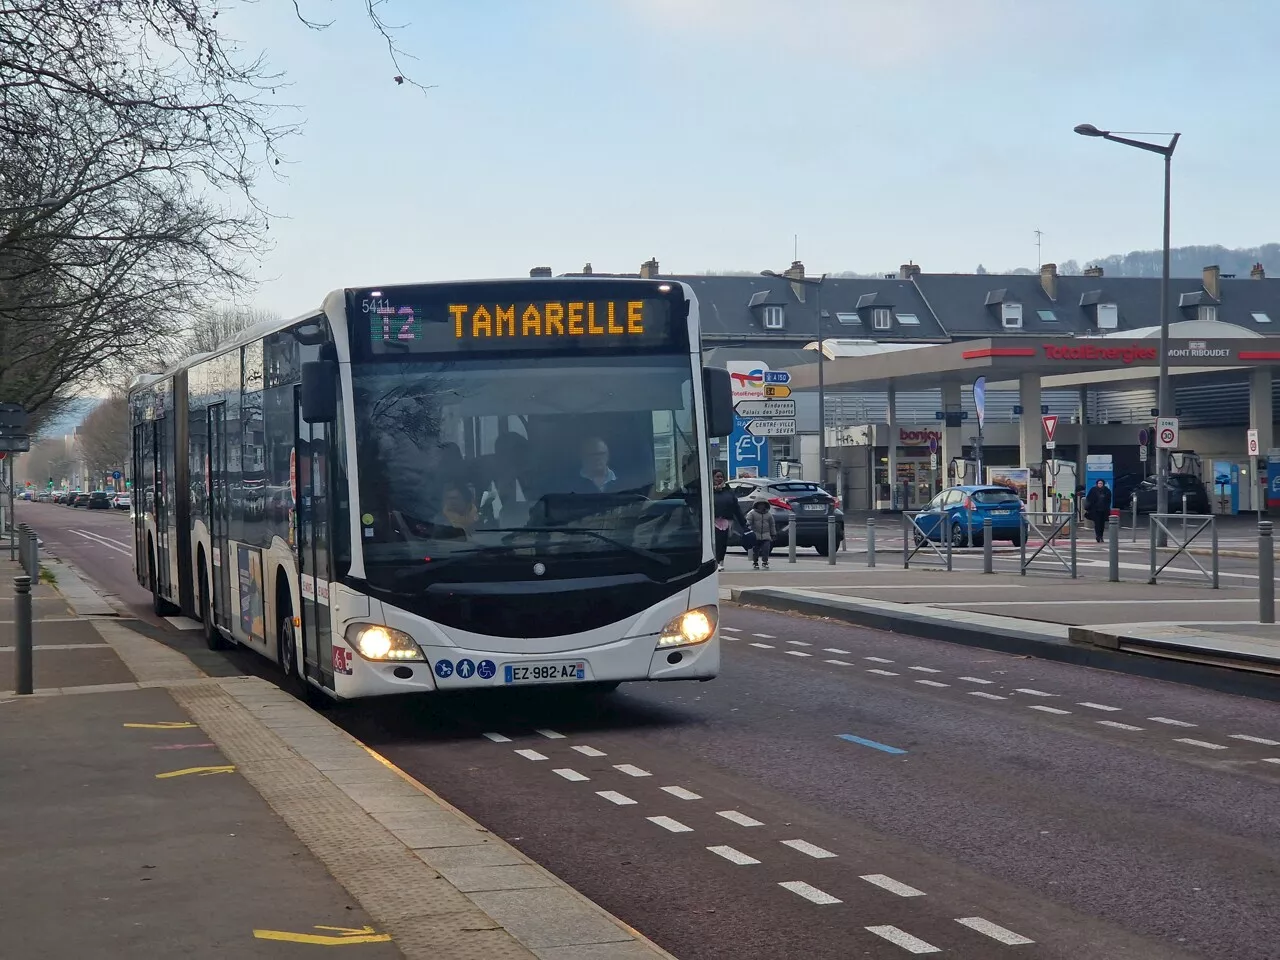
[[115, 474], [748, 455]]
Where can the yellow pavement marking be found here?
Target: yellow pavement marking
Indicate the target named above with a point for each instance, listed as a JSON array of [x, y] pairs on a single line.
[[202, 771], [165, 725], [346, 935]]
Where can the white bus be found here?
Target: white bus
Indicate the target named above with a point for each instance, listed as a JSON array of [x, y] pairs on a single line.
[[441, 486]]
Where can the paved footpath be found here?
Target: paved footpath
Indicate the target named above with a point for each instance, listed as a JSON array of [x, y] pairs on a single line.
[[151, 809]]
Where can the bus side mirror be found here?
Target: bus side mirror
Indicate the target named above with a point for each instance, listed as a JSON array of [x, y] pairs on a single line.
[[320, 391], [717, 389]]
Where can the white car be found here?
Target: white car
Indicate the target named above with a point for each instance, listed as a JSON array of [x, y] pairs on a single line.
[[122, 501]]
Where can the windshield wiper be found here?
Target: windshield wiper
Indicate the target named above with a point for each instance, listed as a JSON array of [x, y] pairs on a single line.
[[578, 531]]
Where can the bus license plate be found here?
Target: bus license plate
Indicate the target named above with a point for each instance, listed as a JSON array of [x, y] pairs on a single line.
[[560, 672]]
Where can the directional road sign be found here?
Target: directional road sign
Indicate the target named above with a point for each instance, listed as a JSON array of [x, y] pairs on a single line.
[[1253, 443], [771, 428], [1050, 422], [765, 408], [777, 376], [775, 391], [1167, 432]]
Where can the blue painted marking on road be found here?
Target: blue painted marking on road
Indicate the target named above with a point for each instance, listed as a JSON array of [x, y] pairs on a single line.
[[444, 668], [870, 743]]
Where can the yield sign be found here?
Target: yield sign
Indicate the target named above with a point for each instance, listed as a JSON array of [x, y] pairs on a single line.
[[1050, 426]]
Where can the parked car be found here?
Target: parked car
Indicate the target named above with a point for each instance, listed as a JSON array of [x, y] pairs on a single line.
[[1122, 489], [98, 500], [80, 499], [957, 513], [807, 501], [122, 501], [1179, 484]]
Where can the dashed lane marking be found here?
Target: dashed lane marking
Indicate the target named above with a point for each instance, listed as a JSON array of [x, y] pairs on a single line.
[[162, 725], [631, 770], [835, 650], [666, 823], [1170, 722], [809, 892], [1033, 692], [875, 745], [1116, 724], [613, 796], [1262, 740], [808, 849], [978, 680], [1200, 743], [799, 643], [986, 696], [877, 659], [842, 663], [924, 669], [892, 885], [1097, 706], [570, 774], [797, 653], [903, 939], [741, 819], [589, 751], [497, 738], [1043, 709], [680, 793], [1271, 759], [530, 754], [765, 636], [994, 931], [198, 771], [883, 673], [763, 646], [933, 683], [732, 629], [551, 734], [733, 856]]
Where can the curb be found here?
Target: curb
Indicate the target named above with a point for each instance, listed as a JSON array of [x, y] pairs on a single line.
[[82, 598], [1010, 639]]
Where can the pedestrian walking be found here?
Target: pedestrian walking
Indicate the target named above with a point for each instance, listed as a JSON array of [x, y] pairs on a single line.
[[764, 531], [724, 509], [1097, 507]]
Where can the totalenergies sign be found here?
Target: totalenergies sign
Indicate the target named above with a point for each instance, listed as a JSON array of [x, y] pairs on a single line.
[[1127, 354], [747, 378]]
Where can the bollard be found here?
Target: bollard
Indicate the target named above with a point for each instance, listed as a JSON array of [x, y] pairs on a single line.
[[1151, 531], [831, 539], [35, 558], [945, 532], [986, 545], [907, 522], [23, 682], [1213, 534], [791, 538], [1113, 549], [1134, 500], [871, 541], [22, 547], [1266, 574], [1184, 518], [1074, 535]]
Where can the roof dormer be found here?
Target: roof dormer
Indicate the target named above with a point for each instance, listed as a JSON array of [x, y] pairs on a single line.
[[1102, 311], [1007, 307]]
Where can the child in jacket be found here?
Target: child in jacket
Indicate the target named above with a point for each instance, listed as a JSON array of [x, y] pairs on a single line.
[[761, 524]]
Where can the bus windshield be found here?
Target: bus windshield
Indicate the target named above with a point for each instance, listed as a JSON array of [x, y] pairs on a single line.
[[500, 468]]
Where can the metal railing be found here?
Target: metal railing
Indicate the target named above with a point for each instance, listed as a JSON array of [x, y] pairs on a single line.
[[1160, 530], [1049, 527], [916, 540]]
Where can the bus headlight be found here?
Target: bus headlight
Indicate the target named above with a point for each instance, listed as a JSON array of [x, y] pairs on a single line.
[[691, 627], [376, 642]]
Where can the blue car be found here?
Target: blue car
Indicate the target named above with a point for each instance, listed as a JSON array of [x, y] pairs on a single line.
[[958, 512]]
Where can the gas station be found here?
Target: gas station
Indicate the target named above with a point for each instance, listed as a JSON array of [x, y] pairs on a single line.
[[895, 466]]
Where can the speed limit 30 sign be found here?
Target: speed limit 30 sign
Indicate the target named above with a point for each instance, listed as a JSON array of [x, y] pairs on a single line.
[[1167, 432]]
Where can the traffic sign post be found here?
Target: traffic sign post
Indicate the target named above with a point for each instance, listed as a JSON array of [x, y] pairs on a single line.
[[771, 428], [754, 408], [776, 391], [1142, 454], [1253, 443], [1167, 433], [1050, 423]]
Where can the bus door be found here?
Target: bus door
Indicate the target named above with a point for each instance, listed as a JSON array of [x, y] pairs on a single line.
[[140, 489], [160, 453], [314, 555], [219, 516]]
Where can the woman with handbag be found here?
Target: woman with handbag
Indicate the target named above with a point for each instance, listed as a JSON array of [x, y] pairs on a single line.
[[725, 509]]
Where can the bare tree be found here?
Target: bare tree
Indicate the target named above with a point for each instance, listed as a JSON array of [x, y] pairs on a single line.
[[214, 327], [104, 436]]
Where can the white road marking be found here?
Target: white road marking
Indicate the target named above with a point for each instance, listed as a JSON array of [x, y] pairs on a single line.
[[903, 939], [551, 734], [1097, 706], [681, 793], [810, 893], [1172, 723], [1036, 706], [994, 931], [892, 885], [589, 751], [835, 650], [877, 659], [1271, 759], [986, 696], [497, 738], [613, 796], [765, 636], [925, 669], [1200, 743], [570, 774], [666, 823], [1262, 740], [978, 680], [733, 856], [798, 653], [933, 683], [883, 673], [762, 646], [1035, 693], [531, 754], [732, 629], [843, 663], [103, 542], [631, 770], [741, 819], [799, 643], [808, 849], [1117, 725]]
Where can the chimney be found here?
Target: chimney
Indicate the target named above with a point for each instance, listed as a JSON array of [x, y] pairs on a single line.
[[1049, 280], [1093, 271], [795, 271], [1257, 273], [586, 269], [1211, 282], [908, 271], [649, 270], [540, 272]]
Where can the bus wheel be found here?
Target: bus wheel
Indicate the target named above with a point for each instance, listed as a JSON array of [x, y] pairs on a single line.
[[294, 682], [212, 638]]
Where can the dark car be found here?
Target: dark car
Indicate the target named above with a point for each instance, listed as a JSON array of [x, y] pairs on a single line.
[[98, 500], [957, 513], [805, 500], [1122, 489], [80, 499], [1180, 484]]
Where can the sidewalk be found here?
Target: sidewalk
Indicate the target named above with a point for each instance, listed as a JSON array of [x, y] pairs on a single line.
[[152, 810]]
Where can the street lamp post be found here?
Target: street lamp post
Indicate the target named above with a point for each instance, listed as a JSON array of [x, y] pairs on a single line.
[[822, 357], [1164, 401]]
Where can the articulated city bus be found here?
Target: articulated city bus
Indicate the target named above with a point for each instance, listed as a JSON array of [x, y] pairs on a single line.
[[440, 486]]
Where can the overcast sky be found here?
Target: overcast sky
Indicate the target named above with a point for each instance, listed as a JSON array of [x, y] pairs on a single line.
[[708, 133]]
